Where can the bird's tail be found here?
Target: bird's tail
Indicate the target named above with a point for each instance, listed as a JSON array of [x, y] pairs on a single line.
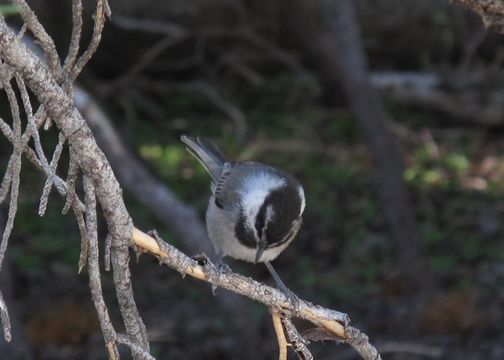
[[207, 153]]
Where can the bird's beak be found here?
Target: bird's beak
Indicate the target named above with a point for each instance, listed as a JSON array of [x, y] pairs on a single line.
[[260, 250]]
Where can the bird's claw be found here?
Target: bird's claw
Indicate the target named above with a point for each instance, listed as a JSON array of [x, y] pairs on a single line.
[[292, 298], [222, 266]]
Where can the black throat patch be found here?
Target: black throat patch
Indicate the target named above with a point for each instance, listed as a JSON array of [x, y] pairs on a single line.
[[244, 233]]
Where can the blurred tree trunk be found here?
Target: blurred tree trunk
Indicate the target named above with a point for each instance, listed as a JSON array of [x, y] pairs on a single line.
[[330, 35]]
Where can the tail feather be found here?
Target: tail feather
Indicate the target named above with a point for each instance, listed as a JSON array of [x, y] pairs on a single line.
[[207, 153]]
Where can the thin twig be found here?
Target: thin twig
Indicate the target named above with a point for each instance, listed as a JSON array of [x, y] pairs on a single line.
[[84, 239], [38, 119], [299, 344], [45, 41], [282, 342], [124, 292], [49, 181], [108, 331], [32, 124], [32, 156], [16, 166], [4, 317], [73, 49], [99, 22], [71, 179], [22, 32], [25, 98], [144, 355], [6, 180]]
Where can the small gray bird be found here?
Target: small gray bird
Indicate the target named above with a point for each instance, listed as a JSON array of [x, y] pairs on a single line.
[[255, 210]]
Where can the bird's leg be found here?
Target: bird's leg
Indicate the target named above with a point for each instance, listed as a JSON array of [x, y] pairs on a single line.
[[222, 266], [291, 297]]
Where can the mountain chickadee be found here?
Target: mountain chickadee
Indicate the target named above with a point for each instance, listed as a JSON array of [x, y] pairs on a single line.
[[255, 210]]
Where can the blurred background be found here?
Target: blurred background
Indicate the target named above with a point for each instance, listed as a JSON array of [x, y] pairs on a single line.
[[390, 113]]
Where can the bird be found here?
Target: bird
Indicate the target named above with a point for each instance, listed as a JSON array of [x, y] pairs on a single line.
[[255, 210]]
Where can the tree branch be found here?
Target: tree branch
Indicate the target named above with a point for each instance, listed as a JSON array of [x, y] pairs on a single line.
[[61, 109], [109, 333], [331, 321], [299, 344], [4, 317], [282, 341]]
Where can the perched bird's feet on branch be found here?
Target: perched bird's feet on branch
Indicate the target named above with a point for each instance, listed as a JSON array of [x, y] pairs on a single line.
[[292, 298], [222, 266]]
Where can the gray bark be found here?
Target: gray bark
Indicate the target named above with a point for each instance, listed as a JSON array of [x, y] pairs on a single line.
[[61, 109]]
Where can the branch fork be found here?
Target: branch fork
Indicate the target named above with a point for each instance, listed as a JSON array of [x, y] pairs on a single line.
[[334, 323]]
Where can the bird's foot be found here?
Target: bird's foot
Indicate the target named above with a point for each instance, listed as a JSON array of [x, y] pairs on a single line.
[[222, 266], [292, 298]]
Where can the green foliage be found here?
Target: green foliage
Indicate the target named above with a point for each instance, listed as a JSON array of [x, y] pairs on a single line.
[[428, 170], [178, 168], [166, 158], [11, 9]]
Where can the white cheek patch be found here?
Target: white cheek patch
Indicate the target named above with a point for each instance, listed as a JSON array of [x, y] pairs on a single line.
[[303, 201], [270, 215], [255, 190], [251, 203]]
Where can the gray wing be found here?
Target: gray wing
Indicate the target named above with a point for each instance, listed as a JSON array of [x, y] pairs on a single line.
[[227, 189]]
